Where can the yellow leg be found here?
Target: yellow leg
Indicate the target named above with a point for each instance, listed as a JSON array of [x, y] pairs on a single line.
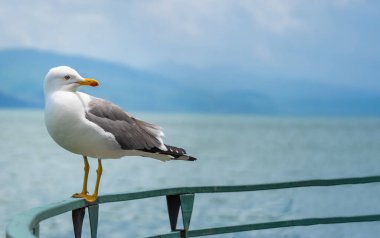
[[94, 196], [85, 179]]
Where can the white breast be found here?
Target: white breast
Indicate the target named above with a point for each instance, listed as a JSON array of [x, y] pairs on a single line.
[[67, 125]]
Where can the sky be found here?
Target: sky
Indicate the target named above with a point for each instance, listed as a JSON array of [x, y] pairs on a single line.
[[326, 40]]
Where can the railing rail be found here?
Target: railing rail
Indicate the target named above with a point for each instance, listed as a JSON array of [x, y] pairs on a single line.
[[26, 224]]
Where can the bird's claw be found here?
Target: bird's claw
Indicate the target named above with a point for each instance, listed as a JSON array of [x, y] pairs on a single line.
[[88, 198], [78, 195]]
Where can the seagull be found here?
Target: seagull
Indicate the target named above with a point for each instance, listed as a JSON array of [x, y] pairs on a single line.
[[93, 127]]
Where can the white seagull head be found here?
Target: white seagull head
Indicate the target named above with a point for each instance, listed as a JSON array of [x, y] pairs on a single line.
[[64, 78]]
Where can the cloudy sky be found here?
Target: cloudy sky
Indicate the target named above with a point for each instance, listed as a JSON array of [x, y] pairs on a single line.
[[331, 40]]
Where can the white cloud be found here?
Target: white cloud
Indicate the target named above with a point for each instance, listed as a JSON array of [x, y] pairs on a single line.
[[49, 25], [346, 3], [289, 37], [274, 16], [143, 33]]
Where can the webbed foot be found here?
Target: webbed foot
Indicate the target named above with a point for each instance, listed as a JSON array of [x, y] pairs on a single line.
[[79, 195], [90, 198]]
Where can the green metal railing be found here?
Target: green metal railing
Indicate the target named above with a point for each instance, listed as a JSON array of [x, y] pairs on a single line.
[[27, 224]]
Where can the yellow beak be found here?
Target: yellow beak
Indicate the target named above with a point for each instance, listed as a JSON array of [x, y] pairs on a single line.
[[89, 82]]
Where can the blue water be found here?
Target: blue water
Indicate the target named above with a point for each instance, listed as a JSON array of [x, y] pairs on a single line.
[[232, 150]]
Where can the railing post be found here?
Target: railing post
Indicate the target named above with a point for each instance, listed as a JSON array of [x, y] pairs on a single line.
[[36, 231], [93, 215], [187, 202], [173, 204], [77, 216]]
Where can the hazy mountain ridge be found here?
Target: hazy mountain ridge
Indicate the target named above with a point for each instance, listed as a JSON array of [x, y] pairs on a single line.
[[23, 71], [186, 90], [7, 101]]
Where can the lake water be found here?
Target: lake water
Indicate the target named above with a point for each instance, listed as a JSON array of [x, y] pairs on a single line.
[[232, 150]]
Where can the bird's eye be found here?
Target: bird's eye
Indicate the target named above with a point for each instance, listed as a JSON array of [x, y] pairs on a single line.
[[67, 77]]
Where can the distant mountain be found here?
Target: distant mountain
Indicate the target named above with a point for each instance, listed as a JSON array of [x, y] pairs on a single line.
[[180, 89], [22, 72], [7, 101], [280, 95]]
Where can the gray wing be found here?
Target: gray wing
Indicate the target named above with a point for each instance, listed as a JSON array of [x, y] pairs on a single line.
[[130, 133]]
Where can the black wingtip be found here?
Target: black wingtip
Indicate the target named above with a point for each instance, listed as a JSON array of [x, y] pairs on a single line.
[[192, 158], [185, 158]]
